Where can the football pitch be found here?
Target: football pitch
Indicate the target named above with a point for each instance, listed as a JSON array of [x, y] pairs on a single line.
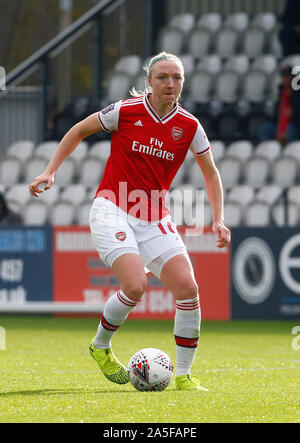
[[47, 375]]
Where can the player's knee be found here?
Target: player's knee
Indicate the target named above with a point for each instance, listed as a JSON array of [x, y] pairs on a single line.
[[135, 289], [187, 290]]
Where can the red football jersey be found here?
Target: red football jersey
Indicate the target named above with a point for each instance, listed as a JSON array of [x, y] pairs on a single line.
[[146, 153]]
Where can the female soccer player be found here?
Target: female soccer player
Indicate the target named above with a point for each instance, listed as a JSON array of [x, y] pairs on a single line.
[[130, 223]]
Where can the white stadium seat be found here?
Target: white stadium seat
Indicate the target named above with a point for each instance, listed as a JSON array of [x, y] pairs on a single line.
[[171, 39], [74, 193], [284, 171], [238, 20], [184, 21], [46, 149], [270, 149], [269, 193], [66, 172], [238, 63], [100, 150], [20, 193], [257, 214], [227, 41], [257, 171], [278, 214], [118, 86], [230, 169], [242, 194], [90, 171], [233, 213], [10, 170], [211, 21], [292, 149], [80, 152], [22, 149], [266, 63], [218, 149], [254, 41], [35, 213], [241, 149], [255, 85], [265, 20], [62, 213], [211, 63], [227, 86], [130, 64], [199, 42], [293, 194], [82, 214], [200, 85]]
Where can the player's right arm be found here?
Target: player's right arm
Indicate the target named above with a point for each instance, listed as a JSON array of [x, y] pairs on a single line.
[[71, 140]]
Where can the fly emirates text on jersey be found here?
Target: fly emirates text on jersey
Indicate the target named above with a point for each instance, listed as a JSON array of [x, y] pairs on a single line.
[[154, 149]]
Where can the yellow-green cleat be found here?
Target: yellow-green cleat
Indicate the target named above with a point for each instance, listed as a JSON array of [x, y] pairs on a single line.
[[186, 383], [110, 366]]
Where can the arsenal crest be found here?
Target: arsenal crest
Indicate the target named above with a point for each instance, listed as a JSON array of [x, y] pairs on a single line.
[[177, 133], [121, 236]]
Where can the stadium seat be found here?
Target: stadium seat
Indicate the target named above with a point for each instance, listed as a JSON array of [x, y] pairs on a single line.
[[218, 149], [62, 213], [227, 86], [100, 150], [171, 39], [255, 85], [270, 149], [265, 20], [185, 21], [66, 172], [292, 149], [90, 171], [257, 214], [130, 64], [118, 86], [188, 64], [19, 193], [80, 152], [200, 86], [238, 63], [284, 171], [140, 81], [293, 195], [278, 214], [195, 177], [199, 42], [242, 149], [51, 196], [211, 21], [10, 170], [269, 193], [35, 213], [82, 214], [274, 45], [207, 214], [74, 193], [242, 194], [253, 42], [256, 171], [233, 213], [21, 149], [266, 63], [226, 41], [179, 177], [46, 149], [230, 169], [237, 20], [211, 63]]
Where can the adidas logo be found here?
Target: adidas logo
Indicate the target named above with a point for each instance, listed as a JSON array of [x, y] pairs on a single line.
[[139, 123]]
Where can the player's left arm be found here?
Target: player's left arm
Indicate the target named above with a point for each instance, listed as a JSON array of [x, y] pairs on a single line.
[[214, 190]]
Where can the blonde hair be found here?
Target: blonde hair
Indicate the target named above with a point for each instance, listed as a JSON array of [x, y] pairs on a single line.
[[148, 68]]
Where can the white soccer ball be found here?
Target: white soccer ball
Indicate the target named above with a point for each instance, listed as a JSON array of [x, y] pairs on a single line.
[[150, 370]]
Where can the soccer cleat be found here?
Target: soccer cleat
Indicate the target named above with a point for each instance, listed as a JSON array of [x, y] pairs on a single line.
[[186, 383], [110, 366]]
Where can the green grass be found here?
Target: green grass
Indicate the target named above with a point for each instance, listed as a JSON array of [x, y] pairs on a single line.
[[47, 375]]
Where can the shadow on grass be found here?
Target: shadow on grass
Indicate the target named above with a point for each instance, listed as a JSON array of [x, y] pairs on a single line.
[[38, 392]]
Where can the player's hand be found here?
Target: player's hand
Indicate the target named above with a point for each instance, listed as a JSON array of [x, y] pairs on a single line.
[[35, 188], [223, 234]]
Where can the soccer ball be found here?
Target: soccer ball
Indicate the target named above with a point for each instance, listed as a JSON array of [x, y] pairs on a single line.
[[150, 370]]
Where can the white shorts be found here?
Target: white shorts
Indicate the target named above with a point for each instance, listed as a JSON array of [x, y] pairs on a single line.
[[116, 233]]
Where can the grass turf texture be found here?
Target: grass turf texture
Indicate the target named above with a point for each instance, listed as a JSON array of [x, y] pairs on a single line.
[[47, 375]]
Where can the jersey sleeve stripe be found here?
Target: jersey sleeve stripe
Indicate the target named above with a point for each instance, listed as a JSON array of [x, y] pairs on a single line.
[[202, 152], [102, 124]]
